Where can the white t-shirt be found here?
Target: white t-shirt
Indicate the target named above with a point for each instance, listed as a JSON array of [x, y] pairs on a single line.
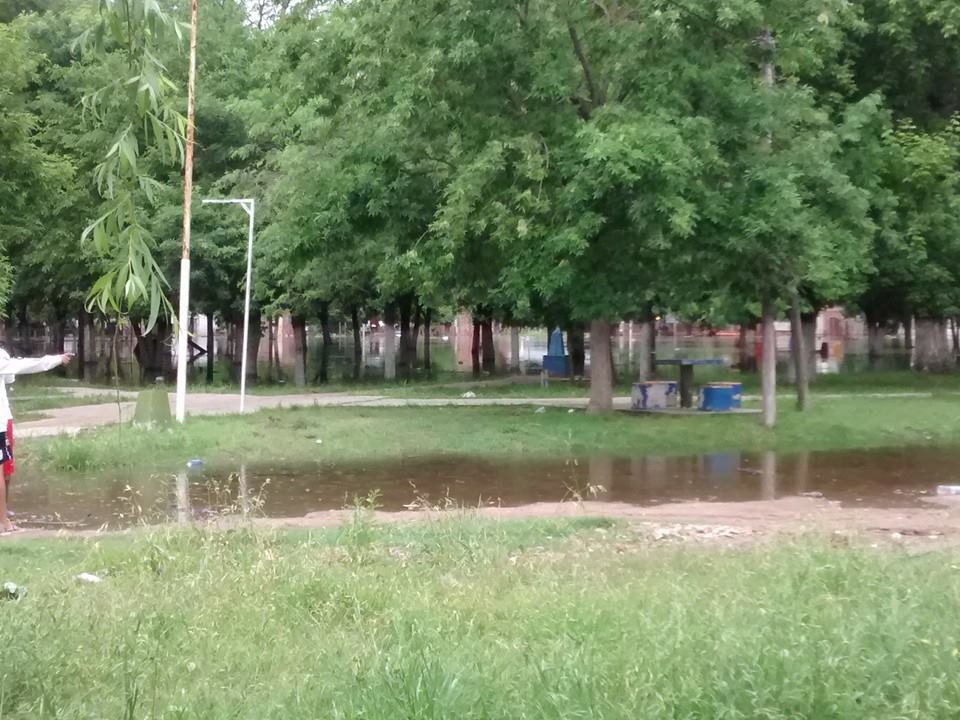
[[11, 367]]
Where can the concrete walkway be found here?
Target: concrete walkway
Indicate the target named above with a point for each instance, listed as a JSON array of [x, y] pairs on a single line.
[[71, 420]]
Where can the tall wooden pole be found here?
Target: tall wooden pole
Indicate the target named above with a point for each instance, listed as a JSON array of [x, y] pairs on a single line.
[[184, 314]]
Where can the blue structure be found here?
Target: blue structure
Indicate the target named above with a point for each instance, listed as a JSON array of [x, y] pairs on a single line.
[[556, 362], [653, 395], [720, 397], [686, 366]]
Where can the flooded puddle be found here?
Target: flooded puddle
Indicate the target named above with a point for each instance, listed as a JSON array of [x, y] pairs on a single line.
[[886, 478]]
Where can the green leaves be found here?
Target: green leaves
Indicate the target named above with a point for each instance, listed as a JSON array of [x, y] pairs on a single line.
[[146, 98]]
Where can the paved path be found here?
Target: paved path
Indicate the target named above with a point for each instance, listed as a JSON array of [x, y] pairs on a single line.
[[71, 420]]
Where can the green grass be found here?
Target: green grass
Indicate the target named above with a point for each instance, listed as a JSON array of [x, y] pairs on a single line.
[[33, 403], [289, 436], [453, 384], [467, 619]]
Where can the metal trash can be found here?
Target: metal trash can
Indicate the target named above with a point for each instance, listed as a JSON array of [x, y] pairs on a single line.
[[721, 397], [654, 395]]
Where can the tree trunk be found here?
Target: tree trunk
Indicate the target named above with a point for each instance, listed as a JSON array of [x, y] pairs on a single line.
[[253, 346], [488, 350], [601, 377], [270, 337], [798, 349], [475, 349], [324, 374], [645, 335], [82, 345], [932, 353], [908, 331], [955, 333], [211, 347], [742, 347], [152, 352], [576, 347], [808, 326], [275, 349], [515, 349], [427, 317], [59, 336], [415, 337], [404, 365], [769, 365], [875, 337], [298, 324], [357, 341], [389, 342], [748, 346]]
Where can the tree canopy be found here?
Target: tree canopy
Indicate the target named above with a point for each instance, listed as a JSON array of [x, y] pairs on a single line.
[[532, 161]]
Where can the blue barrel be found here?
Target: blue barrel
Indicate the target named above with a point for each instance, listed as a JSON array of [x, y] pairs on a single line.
[[720, 397]]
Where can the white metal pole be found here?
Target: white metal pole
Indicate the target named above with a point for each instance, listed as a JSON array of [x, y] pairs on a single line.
[[184, 317], [249, 207], [182, 328]]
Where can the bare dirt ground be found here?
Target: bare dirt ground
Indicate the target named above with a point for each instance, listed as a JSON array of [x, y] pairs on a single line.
[[936, 525]]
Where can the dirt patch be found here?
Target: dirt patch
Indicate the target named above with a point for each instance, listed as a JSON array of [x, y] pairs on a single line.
[[935, 525], [709, 522]]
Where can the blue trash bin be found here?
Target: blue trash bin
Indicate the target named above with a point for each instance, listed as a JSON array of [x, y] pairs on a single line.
[[721, 397]]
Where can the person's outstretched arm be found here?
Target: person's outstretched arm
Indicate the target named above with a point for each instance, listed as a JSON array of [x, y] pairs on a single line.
[[28, 366]]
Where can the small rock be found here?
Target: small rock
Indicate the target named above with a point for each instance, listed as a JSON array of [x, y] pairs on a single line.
[[813, 494], [319, 441], [896, 535], [469, 394], [89, 578], [570, 411]]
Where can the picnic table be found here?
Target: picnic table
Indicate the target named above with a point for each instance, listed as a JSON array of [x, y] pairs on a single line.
[[686, 374]]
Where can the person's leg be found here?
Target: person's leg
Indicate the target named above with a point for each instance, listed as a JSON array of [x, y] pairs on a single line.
[[8, 468], [5, 524]]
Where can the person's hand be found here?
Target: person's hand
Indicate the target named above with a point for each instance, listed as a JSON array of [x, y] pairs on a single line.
[[66, 358]]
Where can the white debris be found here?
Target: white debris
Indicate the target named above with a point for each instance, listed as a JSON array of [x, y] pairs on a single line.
[[570, 411], [89, 578], [540, 410], [469, 394], [696, 532], [319, 441], [948, 489]]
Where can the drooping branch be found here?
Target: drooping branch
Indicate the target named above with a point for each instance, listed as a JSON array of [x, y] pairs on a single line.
[[597, 94]]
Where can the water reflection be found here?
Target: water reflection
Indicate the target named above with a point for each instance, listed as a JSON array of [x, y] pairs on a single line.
[[243, 490], [182, 495], [768, 485], [882, 478]]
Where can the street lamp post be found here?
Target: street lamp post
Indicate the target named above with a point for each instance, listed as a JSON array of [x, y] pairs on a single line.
[[249, 205]]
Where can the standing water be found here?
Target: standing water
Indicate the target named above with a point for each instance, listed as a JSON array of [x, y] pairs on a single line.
[[877, 478]]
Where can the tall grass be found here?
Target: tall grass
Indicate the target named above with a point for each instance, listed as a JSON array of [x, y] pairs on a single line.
[[470, 619]]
